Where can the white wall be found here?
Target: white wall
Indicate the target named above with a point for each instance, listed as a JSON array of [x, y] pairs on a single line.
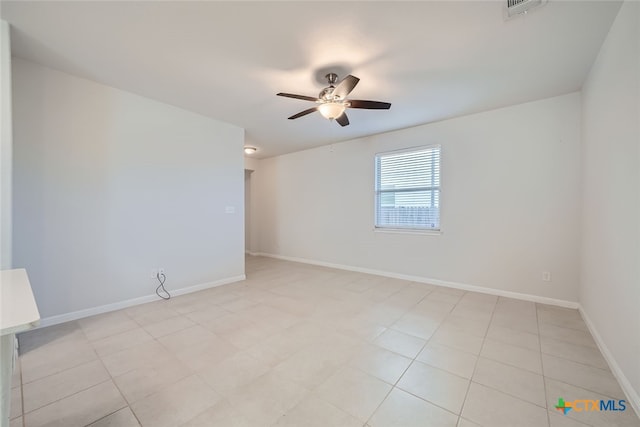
[[251, 163], [109, 185], [610, 279], [5, 147], [510, 199]]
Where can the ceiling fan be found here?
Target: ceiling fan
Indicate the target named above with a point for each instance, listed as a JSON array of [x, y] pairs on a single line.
[[332, 100]]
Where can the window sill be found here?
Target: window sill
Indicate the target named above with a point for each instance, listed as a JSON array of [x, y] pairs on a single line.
[[408, 231]]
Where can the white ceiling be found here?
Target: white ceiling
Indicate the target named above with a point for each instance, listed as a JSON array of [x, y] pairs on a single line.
[[432, 60]]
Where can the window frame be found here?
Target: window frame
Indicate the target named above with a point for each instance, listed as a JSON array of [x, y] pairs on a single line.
[[409, 229]]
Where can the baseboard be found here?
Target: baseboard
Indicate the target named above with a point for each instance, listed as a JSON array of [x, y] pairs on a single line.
[[632, 395], [420, 279], [75, 315]]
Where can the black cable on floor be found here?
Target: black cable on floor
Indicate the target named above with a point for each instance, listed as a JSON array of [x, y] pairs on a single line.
[[162, 278]]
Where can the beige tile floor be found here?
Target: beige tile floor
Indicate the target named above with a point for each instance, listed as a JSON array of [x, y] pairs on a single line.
[[298, 345]]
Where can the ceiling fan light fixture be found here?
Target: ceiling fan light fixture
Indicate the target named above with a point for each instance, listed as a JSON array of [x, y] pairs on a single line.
[[249, 150], [331, 110]]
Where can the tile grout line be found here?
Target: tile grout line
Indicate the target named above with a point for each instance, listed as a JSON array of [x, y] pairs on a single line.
[[577, 362], [544, 377], [65, 397], [393, 386], [21, 390], [475, 366], [156, 339], [108, 415], [108, 373], [56, 373], [112, 379]]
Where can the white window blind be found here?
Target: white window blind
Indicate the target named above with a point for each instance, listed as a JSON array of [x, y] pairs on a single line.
[[408, 189]]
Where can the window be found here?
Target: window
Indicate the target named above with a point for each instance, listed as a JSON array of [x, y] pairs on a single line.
[[408, 189]]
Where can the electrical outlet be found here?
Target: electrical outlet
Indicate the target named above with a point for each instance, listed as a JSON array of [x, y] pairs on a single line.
[[546, 276], [155, 272]]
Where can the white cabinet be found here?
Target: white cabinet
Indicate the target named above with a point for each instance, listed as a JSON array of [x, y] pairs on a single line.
[[18, 313]]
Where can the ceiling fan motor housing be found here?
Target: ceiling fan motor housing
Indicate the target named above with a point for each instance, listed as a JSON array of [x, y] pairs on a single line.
[[326, 94]]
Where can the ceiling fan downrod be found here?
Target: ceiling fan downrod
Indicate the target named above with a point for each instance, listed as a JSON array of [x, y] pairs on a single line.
[[332, 78]]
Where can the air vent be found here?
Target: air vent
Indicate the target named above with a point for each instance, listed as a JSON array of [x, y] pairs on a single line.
[[512, 3], [518, 7]]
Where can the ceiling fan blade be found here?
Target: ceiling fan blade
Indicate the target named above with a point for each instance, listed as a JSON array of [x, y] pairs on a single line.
[[370, 105], [303, 97], [345, 87], [303, 113], [343, 120]]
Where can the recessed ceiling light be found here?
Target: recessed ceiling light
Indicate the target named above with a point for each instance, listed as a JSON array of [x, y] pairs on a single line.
[[250, 150]]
